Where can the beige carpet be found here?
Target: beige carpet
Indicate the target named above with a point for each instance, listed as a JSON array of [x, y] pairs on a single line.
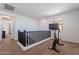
[[9, 46]]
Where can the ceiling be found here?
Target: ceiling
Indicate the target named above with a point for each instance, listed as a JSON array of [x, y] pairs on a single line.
[[40, 10]]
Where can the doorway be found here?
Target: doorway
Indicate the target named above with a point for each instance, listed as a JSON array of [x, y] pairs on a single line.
[[6, 28], [7, 24]]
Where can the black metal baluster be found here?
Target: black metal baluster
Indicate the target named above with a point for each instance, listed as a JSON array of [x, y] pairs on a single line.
[[27, 37]]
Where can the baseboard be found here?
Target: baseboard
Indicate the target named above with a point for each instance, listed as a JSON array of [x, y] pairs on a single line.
[[71, 41], [32, 45]]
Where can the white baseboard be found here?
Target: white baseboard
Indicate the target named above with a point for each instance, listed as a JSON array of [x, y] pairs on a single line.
[[71, 41], [32, 45]]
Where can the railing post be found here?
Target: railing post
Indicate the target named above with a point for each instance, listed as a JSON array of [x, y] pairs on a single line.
[[27, 37]]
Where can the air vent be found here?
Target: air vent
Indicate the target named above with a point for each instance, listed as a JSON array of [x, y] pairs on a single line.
[[9, 7]]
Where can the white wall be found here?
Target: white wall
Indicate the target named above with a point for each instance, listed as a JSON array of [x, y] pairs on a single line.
[[71, 25], [22, 23]]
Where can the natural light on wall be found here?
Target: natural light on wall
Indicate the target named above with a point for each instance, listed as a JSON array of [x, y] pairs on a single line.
[[59, 21]]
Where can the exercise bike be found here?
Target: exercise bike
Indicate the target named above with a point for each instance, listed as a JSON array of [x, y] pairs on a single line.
[[56, 38]]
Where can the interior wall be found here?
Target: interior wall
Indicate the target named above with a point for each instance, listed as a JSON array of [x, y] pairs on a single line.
[[24, 23], [70, 27]]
